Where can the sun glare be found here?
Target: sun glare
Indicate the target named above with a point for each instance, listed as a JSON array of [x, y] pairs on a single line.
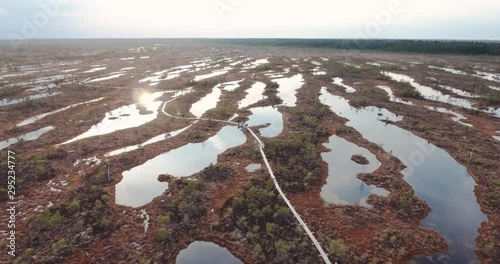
[[146, 99]]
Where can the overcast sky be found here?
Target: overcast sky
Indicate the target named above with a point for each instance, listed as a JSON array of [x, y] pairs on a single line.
[[416, 19]]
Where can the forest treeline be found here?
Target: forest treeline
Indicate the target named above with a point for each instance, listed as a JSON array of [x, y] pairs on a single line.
[[388, 45]]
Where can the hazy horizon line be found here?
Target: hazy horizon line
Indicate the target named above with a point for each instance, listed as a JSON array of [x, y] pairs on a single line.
[[208, 38]]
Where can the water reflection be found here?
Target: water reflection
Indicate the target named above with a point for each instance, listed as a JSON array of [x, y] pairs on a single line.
[[210, 75], [338, 81], [392, 97], [230, 86], [206, 253], [26, 137], [206, 103], [149, 142], [253, 167], [123, 118], [7, 101], [457, 117], [33, 119], [140, 186], [254, 95], [429, 93], [434, 175], [342, 185], [288, 89], [267, 115]]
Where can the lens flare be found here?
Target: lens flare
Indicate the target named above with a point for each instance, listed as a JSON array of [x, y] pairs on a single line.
[[146, 99]]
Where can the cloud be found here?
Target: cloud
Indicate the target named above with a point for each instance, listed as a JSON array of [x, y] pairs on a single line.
[[3, 12]]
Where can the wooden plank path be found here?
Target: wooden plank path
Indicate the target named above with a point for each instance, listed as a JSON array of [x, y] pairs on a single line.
[[261, 148]]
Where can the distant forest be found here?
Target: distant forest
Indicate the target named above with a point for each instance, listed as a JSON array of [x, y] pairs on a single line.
[[389, 45]]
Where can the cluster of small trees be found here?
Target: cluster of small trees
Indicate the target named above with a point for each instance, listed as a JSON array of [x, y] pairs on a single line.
[[207, 83], [35, 168], [9, 91], [342, 69], [391, 242], [408, 206], [271, 91], [220, 113], [260, 218], [217, 172], [61, 229], [492, 196], [189, 204], [296, 161], [100, 177], [407, 90]]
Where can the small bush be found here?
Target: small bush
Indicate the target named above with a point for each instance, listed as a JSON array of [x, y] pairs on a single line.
[[50, 220], [164, 219], [195, 136], [283, 213], [9, 91], [409, 91], [217, 172], [71, 208], [104, 223], [491, 100], [270, 228], [163, 233], [207, 83], [381, 77], [337, 249], [105, 198], [272, 85], [257, 249], [62, 247], [264, 67]]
